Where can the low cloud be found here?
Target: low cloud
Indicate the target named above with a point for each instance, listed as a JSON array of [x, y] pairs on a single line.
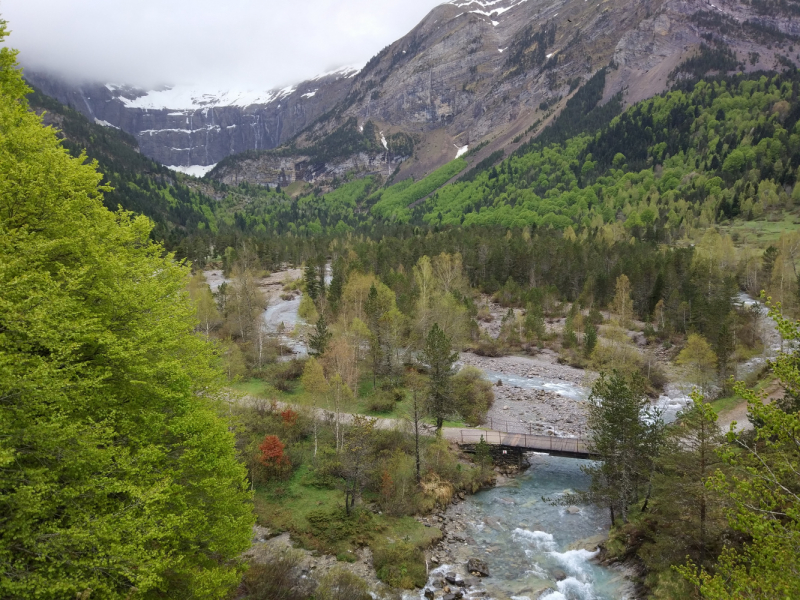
[[252, 44]]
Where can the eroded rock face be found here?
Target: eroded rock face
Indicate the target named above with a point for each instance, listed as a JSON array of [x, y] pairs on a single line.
[[181, 128], [269, 170]]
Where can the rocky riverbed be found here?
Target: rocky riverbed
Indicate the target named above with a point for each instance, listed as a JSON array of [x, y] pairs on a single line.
[[535, 394]]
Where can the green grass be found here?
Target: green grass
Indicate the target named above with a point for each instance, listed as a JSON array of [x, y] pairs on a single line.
[[253, 387], [316, 518], [721, 405], [297, 395], [765, 231]]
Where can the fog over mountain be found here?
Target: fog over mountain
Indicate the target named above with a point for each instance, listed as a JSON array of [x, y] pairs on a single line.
[[245, 44]]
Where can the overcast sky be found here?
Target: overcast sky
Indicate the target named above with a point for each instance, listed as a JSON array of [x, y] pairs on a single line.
[[249, 44]]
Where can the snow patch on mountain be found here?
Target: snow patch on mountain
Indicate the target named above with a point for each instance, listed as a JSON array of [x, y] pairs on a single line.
[[489, 6], [187, 98], [105, 123], [194, 170], [341, 73]]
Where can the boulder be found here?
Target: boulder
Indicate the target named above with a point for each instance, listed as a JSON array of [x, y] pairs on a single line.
[[478, 567], [429, 594], [573, 510], [559, 575]]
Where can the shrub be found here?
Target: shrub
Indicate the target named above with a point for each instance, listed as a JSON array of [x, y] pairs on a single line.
[[473, 394], [488, 347], [400, 565], [278, 578], [340, 584], [336, 525], [397, 484], [381, 402], [283, 374]]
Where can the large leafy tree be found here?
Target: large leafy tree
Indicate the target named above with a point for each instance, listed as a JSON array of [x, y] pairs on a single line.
[[763, 486], [116, 474]]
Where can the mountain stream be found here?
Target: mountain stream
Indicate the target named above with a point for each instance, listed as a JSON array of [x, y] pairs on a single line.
[[535, 551]]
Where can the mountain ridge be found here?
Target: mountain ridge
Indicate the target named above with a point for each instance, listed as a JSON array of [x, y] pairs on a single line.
[[471, 72]]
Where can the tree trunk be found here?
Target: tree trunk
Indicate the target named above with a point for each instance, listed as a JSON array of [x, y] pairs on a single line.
[[416, 434]]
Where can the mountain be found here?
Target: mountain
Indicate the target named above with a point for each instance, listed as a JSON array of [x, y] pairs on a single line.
[[483, 72], [187, 128], [139, 184], [496, 72]]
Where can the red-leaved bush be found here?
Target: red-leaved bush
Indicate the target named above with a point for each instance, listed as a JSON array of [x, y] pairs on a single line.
[[289, 418], [272, 455]]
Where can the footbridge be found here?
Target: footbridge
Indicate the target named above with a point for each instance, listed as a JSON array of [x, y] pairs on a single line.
[[511, 443]]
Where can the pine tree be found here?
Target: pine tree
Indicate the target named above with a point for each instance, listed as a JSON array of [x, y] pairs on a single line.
[[310, 280], [373, 312], [337, 285], [589, 339], [438, 355], [625, 435], [534, 322], [693, 510], [319, 340]]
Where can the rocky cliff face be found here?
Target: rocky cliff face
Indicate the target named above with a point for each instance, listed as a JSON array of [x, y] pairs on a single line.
[[472, 71], [179, 127]]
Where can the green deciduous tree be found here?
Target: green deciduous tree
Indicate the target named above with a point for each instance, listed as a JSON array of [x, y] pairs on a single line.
[[699, 361], [207, 312], [622, 305], [764, 488], [116, 473]]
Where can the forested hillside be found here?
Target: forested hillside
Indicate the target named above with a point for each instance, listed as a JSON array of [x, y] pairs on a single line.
[[139, 184]]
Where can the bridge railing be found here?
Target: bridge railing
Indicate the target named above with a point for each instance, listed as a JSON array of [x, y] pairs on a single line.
[[518, 426], [544, 443]]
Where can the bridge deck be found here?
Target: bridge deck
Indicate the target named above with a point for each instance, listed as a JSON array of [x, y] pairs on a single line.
[[574, 447]]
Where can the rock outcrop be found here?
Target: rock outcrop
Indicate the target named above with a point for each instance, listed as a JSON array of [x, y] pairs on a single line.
[[180, 128]]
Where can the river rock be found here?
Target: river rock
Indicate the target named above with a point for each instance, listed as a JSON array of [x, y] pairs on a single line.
[[478, 567], [573, 510], [429, 594], [589, 544], [559, 575]]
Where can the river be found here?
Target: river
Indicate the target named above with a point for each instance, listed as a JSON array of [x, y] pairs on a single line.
[[280, 316], [535, 551]]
